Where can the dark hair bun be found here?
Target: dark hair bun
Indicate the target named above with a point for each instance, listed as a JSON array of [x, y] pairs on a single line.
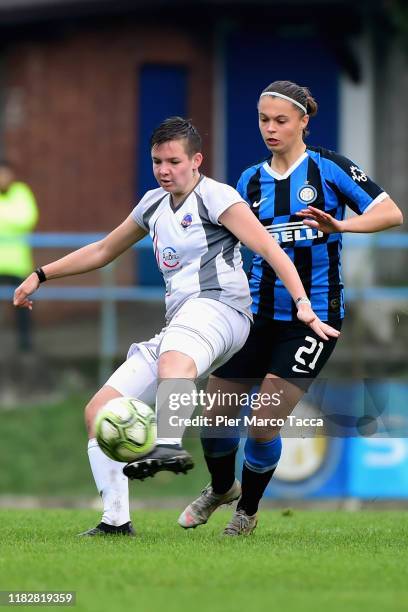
[[311, 103]]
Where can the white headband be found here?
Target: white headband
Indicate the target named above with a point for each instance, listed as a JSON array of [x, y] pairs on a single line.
[[279, 95]]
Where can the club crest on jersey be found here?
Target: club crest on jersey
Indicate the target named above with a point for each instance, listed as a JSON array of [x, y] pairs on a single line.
[[186, 220], [170, 257], [357, 174], [307, 194]]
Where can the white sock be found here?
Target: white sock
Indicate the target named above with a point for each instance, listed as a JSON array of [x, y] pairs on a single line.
[[165, 389], [112, 484]]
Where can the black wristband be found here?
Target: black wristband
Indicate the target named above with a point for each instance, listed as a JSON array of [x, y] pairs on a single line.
[[41, 275]]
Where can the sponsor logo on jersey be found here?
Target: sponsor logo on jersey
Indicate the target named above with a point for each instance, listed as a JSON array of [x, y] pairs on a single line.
[[187, 220], [171, 259], [307, 194], [293, 232], [357, 174]]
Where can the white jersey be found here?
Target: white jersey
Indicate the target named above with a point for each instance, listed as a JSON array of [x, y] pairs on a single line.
[[197, 256]]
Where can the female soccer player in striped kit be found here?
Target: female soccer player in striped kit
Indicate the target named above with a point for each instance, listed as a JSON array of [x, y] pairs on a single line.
[[299, 194], [196, 224]]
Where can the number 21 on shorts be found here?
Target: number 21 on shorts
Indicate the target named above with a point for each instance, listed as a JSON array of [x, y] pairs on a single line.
[[314, 350]]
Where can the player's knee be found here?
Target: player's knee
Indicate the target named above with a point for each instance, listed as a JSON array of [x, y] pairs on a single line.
[[262, 456], [99, 400], [91, 410], [173, 364], [90, 413]]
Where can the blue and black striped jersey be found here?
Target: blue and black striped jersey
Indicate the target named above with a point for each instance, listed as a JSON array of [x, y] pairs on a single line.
[[327, 181]]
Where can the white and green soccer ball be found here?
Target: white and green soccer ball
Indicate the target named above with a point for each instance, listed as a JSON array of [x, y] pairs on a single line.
[[126, 429]]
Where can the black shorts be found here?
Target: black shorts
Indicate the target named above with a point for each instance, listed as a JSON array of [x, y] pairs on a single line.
[[287, 349]]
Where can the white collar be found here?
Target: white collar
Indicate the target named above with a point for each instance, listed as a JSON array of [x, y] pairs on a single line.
[[281, 177]]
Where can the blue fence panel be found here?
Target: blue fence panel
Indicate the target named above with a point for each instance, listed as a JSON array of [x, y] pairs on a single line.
[[155, 290], [163, 93], [246, 55]]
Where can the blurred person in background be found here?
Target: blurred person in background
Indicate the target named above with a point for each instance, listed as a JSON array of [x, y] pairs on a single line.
[[299, 193], [196, 224], [18, 217]]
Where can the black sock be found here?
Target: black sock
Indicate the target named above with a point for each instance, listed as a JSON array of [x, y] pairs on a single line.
[[222, 470], [253, 487]]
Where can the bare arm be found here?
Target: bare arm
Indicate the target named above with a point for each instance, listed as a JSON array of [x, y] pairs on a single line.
[[246, 227], [380, 217], [90, 257], [97, 254]]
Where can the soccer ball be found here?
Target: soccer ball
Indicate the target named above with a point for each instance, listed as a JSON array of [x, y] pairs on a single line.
[[126, 429]]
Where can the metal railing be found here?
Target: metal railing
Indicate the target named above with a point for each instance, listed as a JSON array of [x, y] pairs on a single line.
[[108, 293]]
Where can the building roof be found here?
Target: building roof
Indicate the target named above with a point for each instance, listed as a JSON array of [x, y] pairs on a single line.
[[26, 12]]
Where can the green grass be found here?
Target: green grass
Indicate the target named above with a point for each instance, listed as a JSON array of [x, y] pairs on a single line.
[[320, 561]]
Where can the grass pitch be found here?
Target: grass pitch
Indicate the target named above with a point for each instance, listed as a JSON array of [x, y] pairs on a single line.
[[320, 561]]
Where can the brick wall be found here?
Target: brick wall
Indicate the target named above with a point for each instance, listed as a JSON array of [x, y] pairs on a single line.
[[71, 126], [71, 109]]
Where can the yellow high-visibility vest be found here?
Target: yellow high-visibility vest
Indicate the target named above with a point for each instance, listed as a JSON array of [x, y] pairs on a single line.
[[18, 217]]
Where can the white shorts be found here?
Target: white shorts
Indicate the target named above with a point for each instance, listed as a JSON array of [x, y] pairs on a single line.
[[206, 330]]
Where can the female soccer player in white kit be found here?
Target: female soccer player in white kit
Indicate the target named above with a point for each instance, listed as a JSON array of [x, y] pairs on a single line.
[[196, 225]]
